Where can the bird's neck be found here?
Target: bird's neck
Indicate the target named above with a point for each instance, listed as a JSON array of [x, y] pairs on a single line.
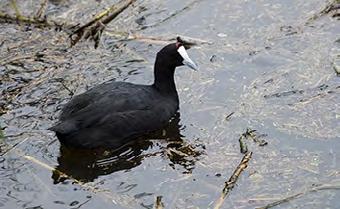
[[164, 77]]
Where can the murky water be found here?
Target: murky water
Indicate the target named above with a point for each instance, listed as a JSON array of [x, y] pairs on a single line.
[[270, 63]]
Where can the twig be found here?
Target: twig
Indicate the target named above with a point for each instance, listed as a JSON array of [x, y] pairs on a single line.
[[41, 12], [16, 9], [95, 27], [243, 145], [228, 116], [229, 185], [37, 22], [251, 133], [327, 9], [95, 190], [9, 18], [313, 189], [12, 147], [6, 61], [194, 41], [159, 204], [161, 40], [81, 204], [70, 92], [287, 199]]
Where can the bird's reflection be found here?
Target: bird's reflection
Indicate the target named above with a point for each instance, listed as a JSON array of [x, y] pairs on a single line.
[[87, 165]]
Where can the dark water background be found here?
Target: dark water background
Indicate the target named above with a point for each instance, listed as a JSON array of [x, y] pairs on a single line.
[[269, 62]]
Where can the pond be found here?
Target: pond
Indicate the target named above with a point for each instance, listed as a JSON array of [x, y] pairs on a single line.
[[267, 75]]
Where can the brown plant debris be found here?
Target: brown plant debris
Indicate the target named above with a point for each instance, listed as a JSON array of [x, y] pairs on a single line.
[[243, 145], [94, 28], [159, 204], [251, 134], [41, 22], [158, 39], [330, 8], [41, 11], [330, 186], [229, 185], [228, 117]]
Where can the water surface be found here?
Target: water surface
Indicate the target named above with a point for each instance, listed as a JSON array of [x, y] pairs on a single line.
[[270, 63]]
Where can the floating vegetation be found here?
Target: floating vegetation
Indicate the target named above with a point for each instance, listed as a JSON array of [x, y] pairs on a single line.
[[229, 185], [275, 95], [243, 145], [316, 188], [332, 8], [250, 134], [261, 66], [159, 204], [94, 28]]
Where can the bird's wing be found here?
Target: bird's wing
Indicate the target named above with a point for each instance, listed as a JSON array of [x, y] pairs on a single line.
[[77, 103], [107, 97], [113, 129]]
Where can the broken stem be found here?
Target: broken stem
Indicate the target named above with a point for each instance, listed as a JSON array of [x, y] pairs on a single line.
[[243, 145], [94, 28], [159, 204], [41, 12], [16, 9], [313, 189], [229, 185], [34, 21]]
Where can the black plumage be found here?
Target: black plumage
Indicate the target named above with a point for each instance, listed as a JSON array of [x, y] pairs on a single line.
[[112, 114]]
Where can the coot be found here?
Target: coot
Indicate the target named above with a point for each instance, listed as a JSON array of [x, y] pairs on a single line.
[[113, 114]]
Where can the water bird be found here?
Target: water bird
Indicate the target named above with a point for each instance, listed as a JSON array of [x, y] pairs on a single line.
[[113, 114]]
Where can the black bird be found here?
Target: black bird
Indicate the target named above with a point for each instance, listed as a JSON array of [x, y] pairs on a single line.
[[113, 114]]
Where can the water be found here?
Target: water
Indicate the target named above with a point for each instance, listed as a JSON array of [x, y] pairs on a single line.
[[270, 63]]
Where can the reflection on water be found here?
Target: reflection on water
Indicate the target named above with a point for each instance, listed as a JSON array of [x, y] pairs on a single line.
[[87, 165]]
